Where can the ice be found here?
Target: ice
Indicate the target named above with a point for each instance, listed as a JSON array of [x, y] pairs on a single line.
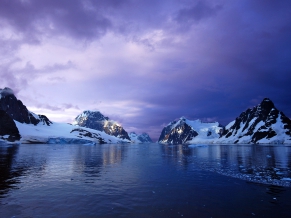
[[197, 145], [286, 179], [251, 173]]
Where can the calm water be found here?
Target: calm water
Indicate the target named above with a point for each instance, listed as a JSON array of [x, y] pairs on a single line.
[[145, 181]]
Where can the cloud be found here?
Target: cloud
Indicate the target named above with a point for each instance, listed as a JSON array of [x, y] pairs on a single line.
[[201, 10], [18, 77], [57, 79], [62, 107], [10, 79], [73, 18]]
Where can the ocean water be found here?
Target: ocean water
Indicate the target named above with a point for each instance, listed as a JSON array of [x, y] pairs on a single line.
[[145, 180]]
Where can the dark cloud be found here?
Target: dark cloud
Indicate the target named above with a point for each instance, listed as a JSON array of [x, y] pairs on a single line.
[[41, 17], [197, 12]]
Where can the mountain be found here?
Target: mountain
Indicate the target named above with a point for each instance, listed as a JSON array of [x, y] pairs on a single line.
[[141, 138], [96, 120], [184, 131], [8, 129], [17, 111], [263, 123], [17, 123]]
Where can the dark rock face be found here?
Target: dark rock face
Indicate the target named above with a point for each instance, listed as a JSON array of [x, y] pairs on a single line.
[[17, 111], [257, 123], [113, 129], [44, 120], [96, 120], [83, 132], [8, 127], [179, 134], [92, 120]]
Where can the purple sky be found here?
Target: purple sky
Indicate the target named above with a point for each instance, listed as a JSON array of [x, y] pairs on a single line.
[[145, 63]]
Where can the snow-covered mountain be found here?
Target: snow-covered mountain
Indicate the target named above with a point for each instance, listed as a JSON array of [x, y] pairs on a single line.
[[96, 120], [17, 122], [184, 131], [140, 138], [17, 111], [261, 124]]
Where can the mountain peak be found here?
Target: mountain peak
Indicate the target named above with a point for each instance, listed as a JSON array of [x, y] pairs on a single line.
[[96, 115], [266, 99], [263, 123], [96, 120], [17, 110], [6, 91], [267, 103]]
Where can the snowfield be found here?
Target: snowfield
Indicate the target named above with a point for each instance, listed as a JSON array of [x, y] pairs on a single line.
[[63, 133]]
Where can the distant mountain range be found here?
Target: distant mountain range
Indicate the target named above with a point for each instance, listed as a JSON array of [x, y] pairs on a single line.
[[184, 131], [18, 123], [262, 124], [140, 138]]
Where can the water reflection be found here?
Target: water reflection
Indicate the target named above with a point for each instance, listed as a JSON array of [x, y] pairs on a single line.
[[177, 154], [13, 166], [113, 154], [7, 175], [32, 163], [90, 160], [262, 164]]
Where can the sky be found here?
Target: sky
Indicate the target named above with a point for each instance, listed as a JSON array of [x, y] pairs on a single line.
[[145, 63]]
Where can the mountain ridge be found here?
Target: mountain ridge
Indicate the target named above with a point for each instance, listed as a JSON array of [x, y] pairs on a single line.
[[263, 123], [18, 111], [184, 131], [19, 125], [140, 138]]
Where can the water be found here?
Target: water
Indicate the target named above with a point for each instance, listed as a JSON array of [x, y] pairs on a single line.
[[150, 180]]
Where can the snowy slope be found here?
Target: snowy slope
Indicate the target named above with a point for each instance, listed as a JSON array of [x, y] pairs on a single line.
[[63, 133], [140, 138], [184, 131], [263, 124]]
